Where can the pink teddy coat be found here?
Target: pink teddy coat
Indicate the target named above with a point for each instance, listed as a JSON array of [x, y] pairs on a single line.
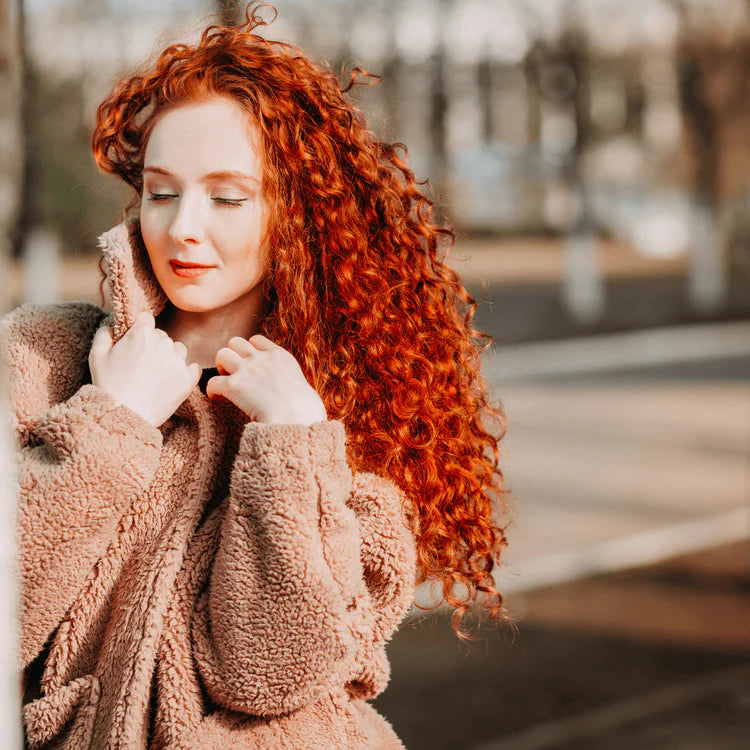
[[211, 583]]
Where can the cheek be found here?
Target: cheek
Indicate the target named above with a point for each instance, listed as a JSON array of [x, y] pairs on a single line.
[[153, 240], [148, 229], [245, 265], [154, 229], [242, 242]]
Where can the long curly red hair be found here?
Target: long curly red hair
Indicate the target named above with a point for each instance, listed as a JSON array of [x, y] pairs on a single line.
[[379, 324]]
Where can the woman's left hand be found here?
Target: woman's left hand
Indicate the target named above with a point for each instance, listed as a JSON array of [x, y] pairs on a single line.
[[266, 382]]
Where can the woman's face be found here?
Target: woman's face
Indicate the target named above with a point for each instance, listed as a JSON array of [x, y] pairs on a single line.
[[202, 204]]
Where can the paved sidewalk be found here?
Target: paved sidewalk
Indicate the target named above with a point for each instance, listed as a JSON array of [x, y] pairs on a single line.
[[651, 657], [628, 568], [619, 461], [528, 260]]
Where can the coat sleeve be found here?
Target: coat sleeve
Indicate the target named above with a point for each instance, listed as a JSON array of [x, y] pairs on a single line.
[[77, 466], [314, 570]]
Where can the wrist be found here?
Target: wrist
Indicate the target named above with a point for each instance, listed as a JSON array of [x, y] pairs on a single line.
[[305, 415]]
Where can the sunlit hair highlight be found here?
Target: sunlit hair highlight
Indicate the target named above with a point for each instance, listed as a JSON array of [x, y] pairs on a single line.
[[358, 289]]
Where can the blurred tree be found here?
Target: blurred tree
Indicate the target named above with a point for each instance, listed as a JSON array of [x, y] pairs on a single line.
[[702, 124], [531, 65], [29, 210], [62, 188], [485, 84], [706, 282], [438, 107], [10, 145], [230, 11]]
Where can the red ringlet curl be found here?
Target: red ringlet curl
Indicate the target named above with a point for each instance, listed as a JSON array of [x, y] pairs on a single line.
[[357, 293]]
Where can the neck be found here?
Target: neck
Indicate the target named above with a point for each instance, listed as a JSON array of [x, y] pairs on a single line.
[[204, 333]]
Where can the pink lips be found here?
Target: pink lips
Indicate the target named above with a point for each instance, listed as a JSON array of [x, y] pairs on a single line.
[[188, 270]]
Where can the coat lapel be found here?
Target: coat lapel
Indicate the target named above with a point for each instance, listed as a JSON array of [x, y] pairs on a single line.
[[132, 284]]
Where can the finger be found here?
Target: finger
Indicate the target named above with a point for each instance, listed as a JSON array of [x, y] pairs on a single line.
[[103, 335], [228, 359], [216, 388], [195, 371], [143, 325], [261, 342], [242, 346], [164, 343], [145, 318], [102, 342]]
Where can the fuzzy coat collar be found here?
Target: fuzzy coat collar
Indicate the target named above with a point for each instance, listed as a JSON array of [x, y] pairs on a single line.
[[130, 278]]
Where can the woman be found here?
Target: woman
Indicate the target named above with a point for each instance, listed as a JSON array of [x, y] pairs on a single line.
[[230, 485]]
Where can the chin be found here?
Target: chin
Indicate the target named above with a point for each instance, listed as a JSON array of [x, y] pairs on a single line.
[[194, 308], [193, 303]]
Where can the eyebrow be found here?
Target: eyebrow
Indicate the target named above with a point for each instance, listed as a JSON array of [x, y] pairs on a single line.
[[218, 175]]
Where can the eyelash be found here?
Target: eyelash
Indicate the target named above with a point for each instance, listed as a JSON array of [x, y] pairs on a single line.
[[229, 202]]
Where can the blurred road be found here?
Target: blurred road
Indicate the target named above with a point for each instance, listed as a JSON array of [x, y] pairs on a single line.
[[628, 568], [625, 466], [636, 659]]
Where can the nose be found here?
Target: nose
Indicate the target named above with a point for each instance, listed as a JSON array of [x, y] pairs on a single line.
[[188, 223]]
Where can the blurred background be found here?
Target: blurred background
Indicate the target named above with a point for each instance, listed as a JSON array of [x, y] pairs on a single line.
[[594, 158]]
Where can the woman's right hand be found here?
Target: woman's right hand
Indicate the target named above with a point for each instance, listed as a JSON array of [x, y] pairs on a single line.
[[145, 370]]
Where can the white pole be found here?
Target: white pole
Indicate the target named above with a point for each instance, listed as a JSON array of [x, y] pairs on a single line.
[[707, 284], [582, 285], [41, 267]]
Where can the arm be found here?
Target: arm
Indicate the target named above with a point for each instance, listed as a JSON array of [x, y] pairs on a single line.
[[315, 569], [78, 465]]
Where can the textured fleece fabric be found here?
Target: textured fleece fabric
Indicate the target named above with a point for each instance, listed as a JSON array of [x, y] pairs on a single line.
[[211, 583]]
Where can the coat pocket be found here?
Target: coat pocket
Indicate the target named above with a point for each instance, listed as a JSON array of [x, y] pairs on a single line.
[[70, 709]]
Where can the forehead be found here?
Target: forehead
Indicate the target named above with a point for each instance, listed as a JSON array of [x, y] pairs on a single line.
[[200, 137]]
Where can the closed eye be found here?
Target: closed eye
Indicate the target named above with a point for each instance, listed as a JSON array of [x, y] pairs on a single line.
[[162, 197], [230, 201]]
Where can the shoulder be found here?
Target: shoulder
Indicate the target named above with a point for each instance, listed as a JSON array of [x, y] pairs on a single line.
[[45, 349]]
